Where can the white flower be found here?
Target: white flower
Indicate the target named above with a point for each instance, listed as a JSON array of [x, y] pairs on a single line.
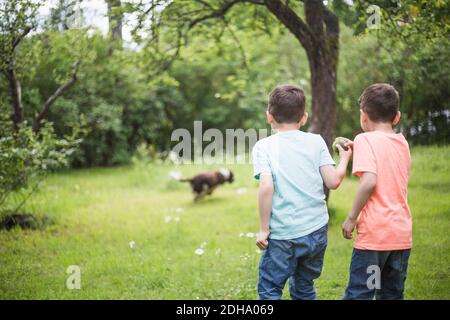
[[175, 174], [132, 243], [241, 190], [218, 251], [168, 219], [241, 235], [303, 82], [179, 210], [250, 234], [177, 219], [203, 244], [199, 251]]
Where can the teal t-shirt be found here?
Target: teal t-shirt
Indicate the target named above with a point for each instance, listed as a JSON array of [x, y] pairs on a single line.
[[293, 158]]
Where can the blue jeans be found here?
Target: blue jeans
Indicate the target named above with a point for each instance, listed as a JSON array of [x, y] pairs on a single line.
[[299, 260], [368, 267]]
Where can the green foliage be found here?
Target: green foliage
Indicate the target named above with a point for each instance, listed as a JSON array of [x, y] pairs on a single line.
[[26, 157], [414, 40], [17, 18], [223, 73]]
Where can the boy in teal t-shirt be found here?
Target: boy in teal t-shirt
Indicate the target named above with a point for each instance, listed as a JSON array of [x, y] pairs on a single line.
[[292, 167]]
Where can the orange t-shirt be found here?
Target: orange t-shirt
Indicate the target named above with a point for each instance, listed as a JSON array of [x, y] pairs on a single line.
[[385, 222]]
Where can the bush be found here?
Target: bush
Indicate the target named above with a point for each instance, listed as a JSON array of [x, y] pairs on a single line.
[[26, 157]]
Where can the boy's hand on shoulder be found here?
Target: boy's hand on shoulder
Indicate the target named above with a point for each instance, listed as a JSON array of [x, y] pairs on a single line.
[[347, 228], [262, 240]]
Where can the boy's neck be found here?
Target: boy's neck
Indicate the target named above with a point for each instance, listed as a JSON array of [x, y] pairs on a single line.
[[385, 127], [282, 127]]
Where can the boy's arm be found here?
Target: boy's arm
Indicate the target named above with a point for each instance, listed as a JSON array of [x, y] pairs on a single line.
[[333, 176], [365, 191], [265, 195]]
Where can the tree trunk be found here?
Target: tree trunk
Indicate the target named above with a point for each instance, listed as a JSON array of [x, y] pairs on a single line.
[[323, 88], [115, 21], [15, 92], [319, 36]]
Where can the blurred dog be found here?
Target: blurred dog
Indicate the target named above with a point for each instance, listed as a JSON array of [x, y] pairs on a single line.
[[205, 183]]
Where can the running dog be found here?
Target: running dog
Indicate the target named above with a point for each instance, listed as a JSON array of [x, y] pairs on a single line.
[[205, 183]]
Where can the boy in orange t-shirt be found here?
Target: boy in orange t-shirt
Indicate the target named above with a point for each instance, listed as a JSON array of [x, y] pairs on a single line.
[[380, 210]]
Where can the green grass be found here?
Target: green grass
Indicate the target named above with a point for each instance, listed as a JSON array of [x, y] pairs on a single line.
[[99, 211]]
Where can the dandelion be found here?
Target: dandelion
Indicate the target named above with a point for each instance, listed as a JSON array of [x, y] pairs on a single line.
[[168, 219], [245, 257], [199, 251], [175, 174], [132, 243], [177, 219], [250, 234], [241, 190]]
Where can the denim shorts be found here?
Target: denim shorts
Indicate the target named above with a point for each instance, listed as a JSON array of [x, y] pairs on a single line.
[[300, 260], [377, 273]]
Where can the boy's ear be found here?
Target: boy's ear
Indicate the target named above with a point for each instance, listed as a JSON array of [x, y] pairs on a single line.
[[304, 119], [363, 115], [269, 117], [397, 118]]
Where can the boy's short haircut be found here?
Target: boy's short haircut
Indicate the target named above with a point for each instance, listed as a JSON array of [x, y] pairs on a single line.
[[380, 101], [287, 104]]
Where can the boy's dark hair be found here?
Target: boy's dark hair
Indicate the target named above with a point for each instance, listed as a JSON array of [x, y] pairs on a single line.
[[380, 101], [287, 104]]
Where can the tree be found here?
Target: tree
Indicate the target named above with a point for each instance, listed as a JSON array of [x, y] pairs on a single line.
[[115, 19], [18, 18], [317, 32]]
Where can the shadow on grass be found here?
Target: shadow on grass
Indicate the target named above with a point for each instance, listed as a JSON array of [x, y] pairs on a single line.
[[9, 221]]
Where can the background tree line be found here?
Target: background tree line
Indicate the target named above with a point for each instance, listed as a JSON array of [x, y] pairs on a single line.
[[192, 61]]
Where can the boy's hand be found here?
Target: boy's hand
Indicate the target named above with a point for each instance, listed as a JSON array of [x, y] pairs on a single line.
[[262, 240], [343, 154], [347, 228]]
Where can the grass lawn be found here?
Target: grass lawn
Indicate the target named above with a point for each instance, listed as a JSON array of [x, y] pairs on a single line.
[[97, 213]]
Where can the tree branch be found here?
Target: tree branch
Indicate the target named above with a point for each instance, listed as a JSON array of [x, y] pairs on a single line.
[[314, 11], [292, 21], [17, 40], [332, 34], [331, 23], [61, 89], [220, 12]]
